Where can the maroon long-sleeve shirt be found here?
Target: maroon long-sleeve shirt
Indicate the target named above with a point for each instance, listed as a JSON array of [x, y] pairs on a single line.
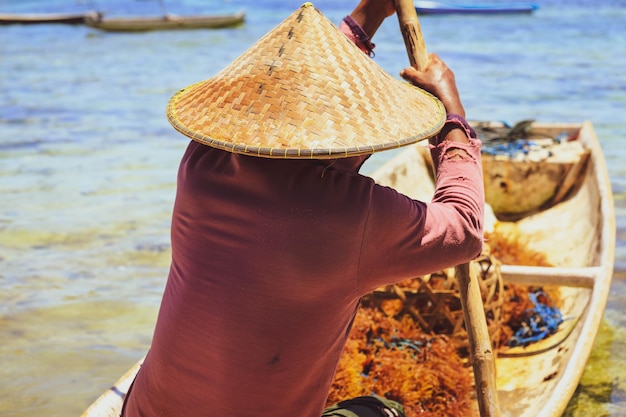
[[269, 261]]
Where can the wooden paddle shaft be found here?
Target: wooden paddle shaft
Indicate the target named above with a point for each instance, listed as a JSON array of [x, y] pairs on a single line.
[[412, 34], [481, 351]]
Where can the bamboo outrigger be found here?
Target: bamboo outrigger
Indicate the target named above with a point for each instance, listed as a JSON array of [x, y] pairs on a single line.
[[576, 234]]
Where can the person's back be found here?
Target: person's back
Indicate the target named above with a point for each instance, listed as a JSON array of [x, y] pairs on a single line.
[[262, 289], [270, 259]]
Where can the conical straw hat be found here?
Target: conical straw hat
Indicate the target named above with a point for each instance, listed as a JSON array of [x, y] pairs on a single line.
[[305, 91]]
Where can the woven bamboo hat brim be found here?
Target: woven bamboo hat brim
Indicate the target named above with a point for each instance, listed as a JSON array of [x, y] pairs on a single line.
[[305, 91]]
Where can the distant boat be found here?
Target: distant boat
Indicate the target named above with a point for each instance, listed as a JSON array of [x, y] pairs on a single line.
[[436, 7], [46, 18], [166, 22]]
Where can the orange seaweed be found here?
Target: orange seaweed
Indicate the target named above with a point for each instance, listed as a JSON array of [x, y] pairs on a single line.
[[396, 360]]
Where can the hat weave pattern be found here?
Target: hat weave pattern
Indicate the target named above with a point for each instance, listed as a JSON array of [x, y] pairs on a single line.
[[305, 91]]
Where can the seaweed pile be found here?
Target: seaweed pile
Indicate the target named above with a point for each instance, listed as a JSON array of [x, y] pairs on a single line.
[[389, 354], [395, 359]]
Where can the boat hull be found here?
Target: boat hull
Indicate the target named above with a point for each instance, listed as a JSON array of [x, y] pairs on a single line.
[[434, 7], [46, 18], [169, 22]]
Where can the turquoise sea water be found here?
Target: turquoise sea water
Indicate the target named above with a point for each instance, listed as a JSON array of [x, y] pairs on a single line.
[[88, 166]]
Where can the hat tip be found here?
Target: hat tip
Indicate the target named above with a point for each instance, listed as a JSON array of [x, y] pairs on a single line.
[[307, 4]]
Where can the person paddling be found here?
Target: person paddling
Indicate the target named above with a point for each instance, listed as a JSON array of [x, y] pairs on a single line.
[[275, 234]]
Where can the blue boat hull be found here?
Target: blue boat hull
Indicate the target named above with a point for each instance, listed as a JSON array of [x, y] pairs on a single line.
[[435, 7]]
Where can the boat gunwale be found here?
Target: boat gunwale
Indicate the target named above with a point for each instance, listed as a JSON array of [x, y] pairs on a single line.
[[570, 377]]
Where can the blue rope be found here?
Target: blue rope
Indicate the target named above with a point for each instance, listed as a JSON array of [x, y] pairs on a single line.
[[414, 347], [541, 322], [515, 147], [512, 148]]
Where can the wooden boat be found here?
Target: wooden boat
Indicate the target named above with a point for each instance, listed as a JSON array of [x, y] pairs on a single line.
[[47, 18], [575, 232], [436, 7], [166, 22]]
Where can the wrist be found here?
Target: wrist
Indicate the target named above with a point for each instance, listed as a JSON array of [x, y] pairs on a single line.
[[455, 129], [455, 110], [453, 106], [358, 35], [369, 15]]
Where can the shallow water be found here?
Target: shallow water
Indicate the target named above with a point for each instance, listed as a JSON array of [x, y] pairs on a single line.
[[88, 165]]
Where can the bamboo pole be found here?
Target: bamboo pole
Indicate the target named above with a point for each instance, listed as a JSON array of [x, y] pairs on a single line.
[[481, 351]]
